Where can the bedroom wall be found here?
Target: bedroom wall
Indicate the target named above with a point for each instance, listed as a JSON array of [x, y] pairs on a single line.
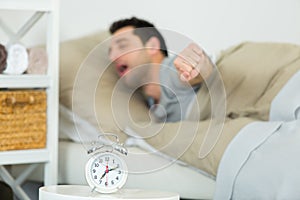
[[216, 24]]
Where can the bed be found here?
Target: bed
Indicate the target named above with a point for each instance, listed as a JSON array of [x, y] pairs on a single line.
[[251, 75]]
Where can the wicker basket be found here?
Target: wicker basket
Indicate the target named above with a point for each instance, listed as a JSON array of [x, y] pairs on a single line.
[[22, 119]]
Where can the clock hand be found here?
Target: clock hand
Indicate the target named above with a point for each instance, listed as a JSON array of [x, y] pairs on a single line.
[[105, 172], [106, 183], [113, 168], [103, 175]]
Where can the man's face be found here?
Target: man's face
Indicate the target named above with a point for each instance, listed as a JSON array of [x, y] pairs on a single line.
[[127, 52]]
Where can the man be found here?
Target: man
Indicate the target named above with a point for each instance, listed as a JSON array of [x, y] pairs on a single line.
[[140, 55]]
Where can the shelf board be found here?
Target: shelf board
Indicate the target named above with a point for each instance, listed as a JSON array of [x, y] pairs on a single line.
[[24, 156], [37, 5], [24, 81]]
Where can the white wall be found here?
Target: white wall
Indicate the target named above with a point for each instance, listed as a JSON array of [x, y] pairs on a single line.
[[216, 24]]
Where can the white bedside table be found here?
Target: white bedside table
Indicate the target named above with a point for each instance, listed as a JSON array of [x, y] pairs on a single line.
[[80, 192]]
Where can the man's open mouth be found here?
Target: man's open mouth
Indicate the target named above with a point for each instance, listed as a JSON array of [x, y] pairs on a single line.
[[121, 69]]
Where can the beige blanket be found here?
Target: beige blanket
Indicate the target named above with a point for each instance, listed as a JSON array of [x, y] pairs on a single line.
[[252, 73]]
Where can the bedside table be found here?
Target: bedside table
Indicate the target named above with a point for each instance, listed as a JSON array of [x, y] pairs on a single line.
[[82, 192]]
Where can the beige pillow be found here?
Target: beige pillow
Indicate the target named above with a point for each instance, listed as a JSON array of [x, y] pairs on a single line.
[[87, 86], [72, 54], [253, 73]]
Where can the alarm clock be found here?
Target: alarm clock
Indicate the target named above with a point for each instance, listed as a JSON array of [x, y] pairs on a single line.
[[106, 171]]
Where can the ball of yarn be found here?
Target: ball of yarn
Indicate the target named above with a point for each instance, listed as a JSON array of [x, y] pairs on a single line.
[[17, 59], [3, 57]]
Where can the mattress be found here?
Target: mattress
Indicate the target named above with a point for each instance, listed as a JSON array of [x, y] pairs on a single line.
[[188, 182], [148, 168]]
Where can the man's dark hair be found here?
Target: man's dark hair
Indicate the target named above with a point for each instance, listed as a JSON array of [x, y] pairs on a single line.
[[143, 29]]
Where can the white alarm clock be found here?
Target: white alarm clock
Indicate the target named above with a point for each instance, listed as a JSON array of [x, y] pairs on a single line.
[[106, 171]]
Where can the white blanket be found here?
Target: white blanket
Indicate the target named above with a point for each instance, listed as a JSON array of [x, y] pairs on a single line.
[[262, 163], [286, 105]]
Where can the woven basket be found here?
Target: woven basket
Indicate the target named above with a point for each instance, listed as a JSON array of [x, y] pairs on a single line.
[[22, 119]]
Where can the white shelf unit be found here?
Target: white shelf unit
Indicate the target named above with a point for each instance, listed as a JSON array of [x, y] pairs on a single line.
[[48, 155]]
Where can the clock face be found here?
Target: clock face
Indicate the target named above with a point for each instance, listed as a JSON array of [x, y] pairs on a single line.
[[106, 172]]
